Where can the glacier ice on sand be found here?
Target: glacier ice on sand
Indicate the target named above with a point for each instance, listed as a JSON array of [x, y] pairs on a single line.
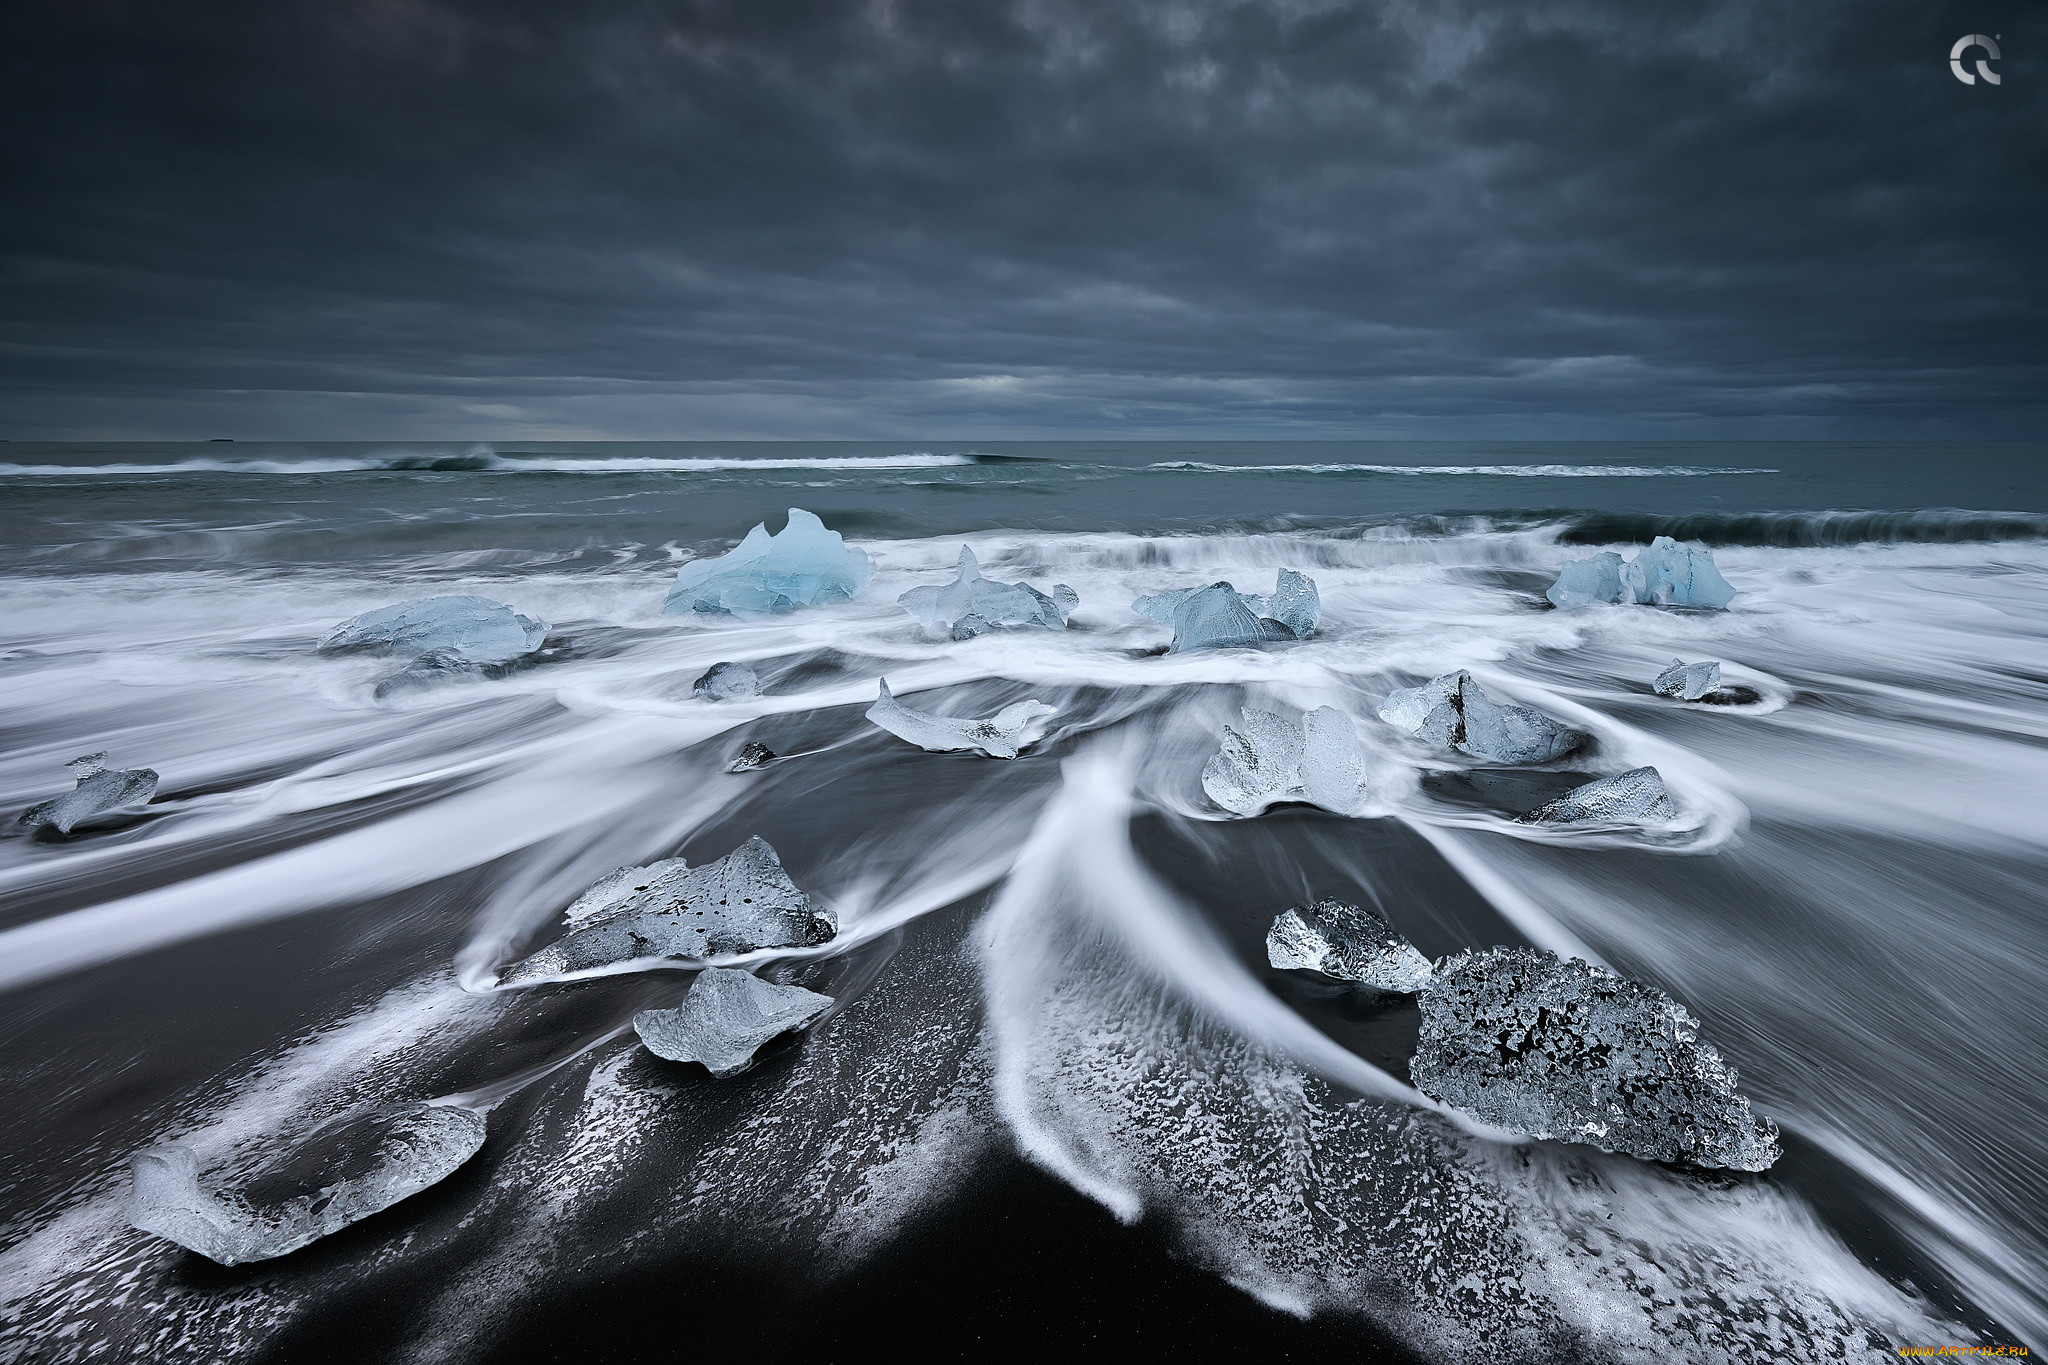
[[1273, 759], [345, 1171], [1218, 616], [802, 565], [1454, 712], [1687, 682], [972, 605], [1634, 797], [1350, 942], [669, 909], [1559, 1048], [1667, 574], [1002, 735], [726, 682], [97, 790], [461, 628], [725, 1019]]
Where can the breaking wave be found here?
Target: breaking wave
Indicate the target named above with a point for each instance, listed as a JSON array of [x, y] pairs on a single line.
[[486, 461], [1807, 530]]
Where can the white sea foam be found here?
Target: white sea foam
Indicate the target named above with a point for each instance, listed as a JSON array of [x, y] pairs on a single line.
[[484, 461]]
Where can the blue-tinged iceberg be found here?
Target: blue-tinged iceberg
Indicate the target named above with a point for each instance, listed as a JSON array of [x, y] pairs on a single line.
[[1666, 574], [802, 565], [1218, 616], [347, 1170], [457, 629], [1631, 798], [972, 605], [1562, 1049], [725, 1019], [1454, 712], [1002, 735], [1349, 942], [1272, 759], [97, 791]]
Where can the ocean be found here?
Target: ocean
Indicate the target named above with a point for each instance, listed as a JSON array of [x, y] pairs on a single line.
[[1061, 1102]]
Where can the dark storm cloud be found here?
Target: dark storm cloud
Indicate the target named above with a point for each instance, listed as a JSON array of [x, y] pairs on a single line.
[[401, 217]]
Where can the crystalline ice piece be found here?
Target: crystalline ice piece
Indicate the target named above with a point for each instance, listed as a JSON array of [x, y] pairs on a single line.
[[971, 604], [1000, 736], [1332, 761], [1583, 582], [1672, 575], [1220, 617], [1562, 1049], [725, 1018], [725, 681], [1257, 767], [752, 755], [346, 1171], [474, 629], [1628, 798], [96, 792], [800, 566], [1454, 712], [1689, 682], [668, 909], [1347, 941], [1295, 604]]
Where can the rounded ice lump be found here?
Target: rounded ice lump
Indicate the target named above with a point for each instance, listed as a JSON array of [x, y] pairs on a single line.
[[1455, 712], [726, 682], [1688, 682], [725, 1019], [463, 627], [1220, 617], [1350, 942], [802, 565], [96, 791], [972, 605], [1272, 759], [1634, 797]]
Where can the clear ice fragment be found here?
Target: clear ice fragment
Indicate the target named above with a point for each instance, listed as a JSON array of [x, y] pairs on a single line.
[[1454, 712], [1562, 1049], [1349, 942], [97, 791], [725, 1018], [752, 755], [668, 909], [1256, 766], [1584, 582], [802, 565], [1666, 574], [347, 1170], [1688, 682], [999, 736], [726, 681], [465, 627], [971, 604], [1634, 797], [1332, 761], [1220, 617], [1294, 603]]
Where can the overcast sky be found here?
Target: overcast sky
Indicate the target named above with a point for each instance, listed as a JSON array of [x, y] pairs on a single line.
[[379, 219]]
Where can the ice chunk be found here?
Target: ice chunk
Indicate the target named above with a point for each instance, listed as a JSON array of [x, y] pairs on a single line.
[[1220, 617], [1454, 712], [467, 628], [95, 792], [752, 755], [971, 604], [1666, 574], [1000, 736], [1632, 797], [1347, 941], [668, 909], [1295, 604], [1689, 682], [1562, 1049], [801, 565], [1273, 759], [346, 1171], [725, 681], [1332, 761], [725, 1018]]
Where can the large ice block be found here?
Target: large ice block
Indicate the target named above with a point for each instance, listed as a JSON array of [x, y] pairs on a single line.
[[1562, 1049], [725, 1019], [1347, 941], [1218, 616], [1294, 603], [1666, 574], [1583, 582], [1273, 759], [463, 627], [999, 736], [1688, 682], [971, 605], [95, 791], [1454, 712], [668, 909], [801, 565], [347, 1170], [727, 681], [1634, 797]]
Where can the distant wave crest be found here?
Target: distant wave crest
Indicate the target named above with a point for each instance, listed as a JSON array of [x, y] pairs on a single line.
[[1511, 471], [488, 461]]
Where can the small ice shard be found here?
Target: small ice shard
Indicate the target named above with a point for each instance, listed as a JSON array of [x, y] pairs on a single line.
[[802, 565], [1273, 759], [1688, 682], [725, 1018], [1562, 1049], [1454, 712], [668, 909], [97, 791], [1347, 941], [725, 681], [752, 755], [1000, 736], [1666, 574], [467, 628], [971, 605], [347, 1170], [1220, 617], [1628, 798]]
